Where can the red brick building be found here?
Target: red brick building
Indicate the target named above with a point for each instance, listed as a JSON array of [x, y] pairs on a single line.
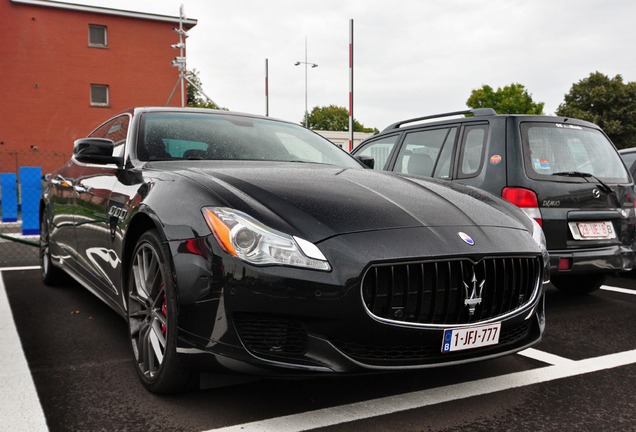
[[65, 68]]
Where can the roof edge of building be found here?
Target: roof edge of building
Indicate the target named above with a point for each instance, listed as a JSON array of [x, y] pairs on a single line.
[[188, 22]]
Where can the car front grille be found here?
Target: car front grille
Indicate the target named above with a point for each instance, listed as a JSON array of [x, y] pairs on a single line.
[[450, 292], [266, 335]]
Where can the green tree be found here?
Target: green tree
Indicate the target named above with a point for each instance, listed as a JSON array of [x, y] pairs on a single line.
[[512, 99], [609, 103], [194, 97], [333, 118]]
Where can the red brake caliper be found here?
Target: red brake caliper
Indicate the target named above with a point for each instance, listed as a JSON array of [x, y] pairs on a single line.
[[164, 310]]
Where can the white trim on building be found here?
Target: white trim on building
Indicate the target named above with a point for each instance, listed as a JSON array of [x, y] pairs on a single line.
[[188, 23]]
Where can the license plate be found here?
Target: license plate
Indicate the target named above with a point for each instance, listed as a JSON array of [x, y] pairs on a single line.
[[471, 337], [593, 230]]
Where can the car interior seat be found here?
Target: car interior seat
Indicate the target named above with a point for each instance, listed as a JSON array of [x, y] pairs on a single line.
[[420, 164]]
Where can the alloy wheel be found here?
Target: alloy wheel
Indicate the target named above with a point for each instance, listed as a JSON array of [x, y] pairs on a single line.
[[147, 311]]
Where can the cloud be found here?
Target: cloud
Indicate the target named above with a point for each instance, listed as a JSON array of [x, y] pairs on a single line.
[[412, 58]]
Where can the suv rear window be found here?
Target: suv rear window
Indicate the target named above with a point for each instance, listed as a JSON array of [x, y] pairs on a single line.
[[553, 148]]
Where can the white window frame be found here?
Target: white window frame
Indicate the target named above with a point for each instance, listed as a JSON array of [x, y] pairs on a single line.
[[100, 104], [92, 44]]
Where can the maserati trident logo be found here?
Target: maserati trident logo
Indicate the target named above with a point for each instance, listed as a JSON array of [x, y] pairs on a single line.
[[472, 296]]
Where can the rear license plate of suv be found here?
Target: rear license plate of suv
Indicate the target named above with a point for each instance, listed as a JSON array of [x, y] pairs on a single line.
[[471, 337], [592, 230]]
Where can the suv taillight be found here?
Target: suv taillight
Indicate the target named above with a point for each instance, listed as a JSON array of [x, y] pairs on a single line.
[[526, 200]]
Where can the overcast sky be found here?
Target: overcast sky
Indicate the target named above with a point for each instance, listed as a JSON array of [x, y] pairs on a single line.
[[411, 58]]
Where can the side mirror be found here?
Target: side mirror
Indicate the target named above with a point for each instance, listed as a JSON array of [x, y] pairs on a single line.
[[96, 151], [367, 161]]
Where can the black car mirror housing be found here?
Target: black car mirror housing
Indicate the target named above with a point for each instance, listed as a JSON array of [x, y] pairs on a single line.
[[367, 161], [96, 151]]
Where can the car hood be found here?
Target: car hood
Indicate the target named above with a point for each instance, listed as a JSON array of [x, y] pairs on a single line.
[[317, 202]]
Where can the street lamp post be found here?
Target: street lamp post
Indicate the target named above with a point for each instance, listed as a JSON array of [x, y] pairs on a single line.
[[313, 65]]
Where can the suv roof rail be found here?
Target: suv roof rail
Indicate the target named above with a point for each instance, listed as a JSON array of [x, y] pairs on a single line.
[[477, 112]]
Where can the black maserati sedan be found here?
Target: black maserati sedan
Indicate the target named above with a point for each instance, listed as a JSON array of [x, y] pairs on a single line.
[[236, 244]]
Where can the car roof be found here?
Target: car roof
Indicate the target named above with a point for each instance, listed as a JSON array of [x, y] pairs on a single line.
[[476, 113], [139, 110]]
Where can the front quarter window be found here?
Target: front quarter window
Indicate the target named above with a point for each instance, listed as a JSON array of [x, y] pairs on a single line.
[[472, 150], [379, 150]]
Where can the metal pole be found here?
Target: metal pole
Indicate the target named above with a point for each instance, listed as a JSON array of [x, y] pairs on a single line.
[[182, 42], [350, 84], [174, 90], [313, 65], [266, 88], [200, 90]]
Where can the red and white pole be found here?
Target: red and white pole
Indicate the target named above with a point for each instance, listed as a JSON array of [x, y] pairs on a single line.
[[350, 84]]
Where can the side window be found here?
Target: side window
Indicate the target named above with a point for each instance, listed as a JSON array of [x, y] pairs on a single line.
[[380, 150], [102, 130], [118, 150], [421, 151], [628, 158], [443, 165], [118, 130], [472, 150]]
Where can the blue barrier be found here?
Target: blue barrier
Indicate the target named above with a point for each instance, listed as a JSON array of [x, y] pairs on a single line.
[[9, 188], [30, 191]]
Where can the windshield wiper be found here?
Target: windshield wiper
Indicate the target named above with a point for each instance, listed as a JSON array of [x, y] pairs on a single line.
[[605, 188]]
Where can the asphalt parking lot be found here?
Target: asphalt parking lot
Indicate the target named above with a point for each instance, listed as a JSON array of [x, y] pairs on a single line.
[[76, 373]]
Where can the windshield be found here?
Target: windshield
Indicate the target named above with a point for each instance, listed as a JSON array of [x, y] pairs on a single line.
[[203, 136], [554, 150]]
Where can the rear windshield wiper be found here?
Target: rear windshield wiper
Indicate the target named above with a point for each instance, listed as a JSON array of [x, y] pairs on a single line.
[[585, 176]]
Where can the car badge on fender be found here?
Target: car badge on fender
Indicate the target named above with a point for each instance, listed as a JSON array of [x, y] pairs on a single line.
[[473, 298], [466, 238], [596, 193]]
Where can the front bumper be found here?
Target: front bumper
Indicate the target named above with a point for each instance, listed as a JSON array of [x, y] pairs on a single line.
[[282, 321], [325, 357]]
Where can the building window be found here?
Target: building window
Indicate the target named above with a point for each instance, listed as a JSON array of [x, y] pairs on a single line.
[[99, 95], [97, 36]]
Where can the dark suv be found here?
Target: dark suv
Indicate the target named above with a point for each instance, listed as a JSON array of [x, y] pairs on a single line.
[[564, 173]]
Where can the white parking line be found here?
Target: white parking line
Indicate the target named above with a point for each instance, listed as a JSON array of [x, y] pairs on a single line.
[[545, 357], [11, 224], [20, 408], [388, 405], [3, 269], [618, 290], [33, 238]]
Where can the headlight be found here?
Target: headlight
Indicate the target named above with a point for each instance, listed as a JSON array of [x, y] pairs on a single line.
[[244, 237], [539, 238]]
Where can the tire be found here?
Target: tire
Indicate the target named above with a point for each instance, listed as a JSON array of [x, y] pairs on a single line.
[[51, 274], [579, 284], [152, 318]]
